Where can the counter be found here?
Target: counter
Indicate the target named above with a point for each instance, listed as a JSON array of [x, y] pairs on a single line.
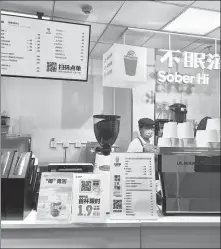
[[165, 232]]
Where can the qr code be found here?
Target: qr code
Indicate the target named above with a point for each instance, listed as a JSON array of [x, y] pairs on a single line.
[[117, 204], [51, 67], [86, 186]]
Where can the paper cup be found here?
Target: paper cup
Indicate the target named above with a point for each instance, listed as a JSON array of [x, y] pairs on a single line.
[[179, 130], [185, 130], [213, 124], [164, 142], [181, 142], [170, 130], [175, 142], [212, 136], [218, 135], [201, 134], [202, 138], [214, 145], [189, 142]]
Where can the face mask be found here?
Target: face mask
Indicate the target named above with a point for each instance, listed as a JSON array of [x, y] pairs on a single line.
[[147, 133]]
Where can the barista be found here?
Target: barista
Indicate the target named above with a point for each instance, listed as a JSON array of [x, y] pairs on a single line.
[[142, 142]]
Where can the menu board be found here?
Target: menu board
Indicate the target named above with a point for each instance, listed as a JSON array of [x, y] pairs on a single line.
[[44, 49], [133, 190]]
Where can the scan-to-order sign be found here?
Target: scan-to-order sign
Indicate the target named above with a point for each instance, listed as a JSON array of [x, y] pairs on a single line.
[[89, 191], [190, 60], [69, 198]]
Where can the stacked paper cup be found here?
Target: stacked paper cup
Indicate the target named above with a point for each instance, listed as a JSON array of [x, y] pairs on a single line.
[[177, 135], [169, 138], [202, 138], [170, 131], [182, 135], [213, 124], [212, 133], [185, 131], [165, 141]]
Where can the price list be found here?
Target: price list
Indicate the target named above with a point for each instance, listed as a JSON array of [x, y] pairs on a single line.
[[137, 182], [38, 52], [59, 44], [45, 49], [82, 46]]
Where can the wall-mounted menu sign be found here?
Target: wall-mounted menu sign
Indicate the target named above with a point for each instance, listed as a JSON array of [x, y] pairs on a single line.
[[44, 49]]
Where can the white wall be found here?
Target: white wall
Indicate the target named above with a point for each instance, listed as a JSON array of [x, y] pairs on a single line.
[[143, 96], [51, 108]]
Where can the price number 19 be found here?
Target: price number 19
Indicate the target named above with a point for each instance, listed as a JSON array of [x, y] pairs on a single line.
[[89, 209]]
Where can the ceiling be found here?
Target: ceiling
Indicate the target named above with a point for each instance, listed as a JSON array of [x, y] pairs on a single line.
[[110, 21]]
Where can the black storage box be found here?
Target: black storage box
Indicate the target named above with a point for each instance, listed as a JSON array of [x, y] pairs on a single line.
[[18, 187]]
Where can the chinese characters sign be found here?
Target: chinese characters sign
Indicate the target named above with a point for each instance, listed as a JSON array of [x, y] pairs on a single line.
[[88, 204], [133, 194], [192, 60], [45, 49], [189, 60], [67, 197], [55, 197]]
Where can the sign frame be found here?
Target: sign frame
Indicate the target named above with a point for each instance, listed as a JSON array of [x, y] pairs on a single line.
[[50, 78]]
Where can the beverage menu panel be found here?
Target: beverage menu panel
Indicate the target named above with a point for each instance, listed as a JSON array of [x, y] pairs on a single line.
[[44, 49]]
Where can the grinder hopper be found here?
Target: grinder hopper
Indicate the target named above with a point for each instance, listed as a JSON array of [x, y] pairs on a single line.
[[106, 130]]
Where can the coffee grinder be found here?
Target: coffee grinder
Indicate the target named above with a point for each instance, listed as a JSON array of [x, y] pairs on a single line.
[[106, 130]]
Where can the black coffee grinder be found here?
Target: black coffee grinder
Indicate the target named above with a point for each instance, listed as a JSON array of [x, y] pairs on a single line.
[[106, 130]]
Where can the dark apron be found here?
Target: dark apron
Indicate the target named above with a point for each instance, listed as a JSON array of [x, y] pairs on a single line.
[[141, 144]]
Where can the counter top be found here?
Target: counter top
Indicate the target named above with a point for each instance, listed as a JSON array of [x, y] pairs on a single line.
[[31, 223]]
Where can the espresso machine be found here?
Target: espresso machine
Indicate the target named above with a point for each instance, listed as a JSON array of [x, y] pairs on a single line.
[[190, 180]]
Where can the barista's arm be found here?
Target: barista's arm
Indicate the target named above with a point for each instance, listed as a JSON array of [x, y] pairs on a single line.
[[151, 148]]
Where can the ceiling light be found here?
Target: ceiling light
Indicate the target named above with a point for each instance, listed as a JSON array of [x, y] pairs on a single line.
[[195, 21], [23, 15]]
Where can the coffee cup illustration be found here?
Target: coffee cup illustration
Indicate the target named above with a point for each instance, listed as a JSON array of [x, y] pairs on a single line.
[[55, 206], [130, 63]]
